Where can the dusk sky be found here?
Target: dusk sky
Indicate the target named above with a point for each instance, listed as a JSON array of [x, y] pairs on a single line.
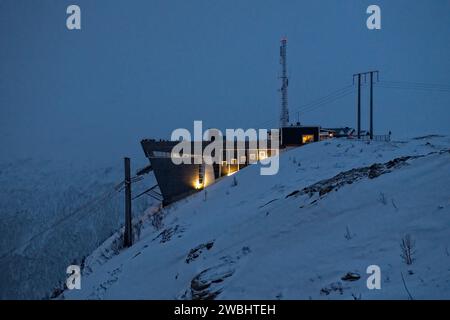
[[140, 69]]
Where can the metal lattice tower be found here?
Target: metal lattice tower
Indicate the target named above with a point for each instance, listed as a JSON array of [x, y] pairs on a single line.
[[284, 115]]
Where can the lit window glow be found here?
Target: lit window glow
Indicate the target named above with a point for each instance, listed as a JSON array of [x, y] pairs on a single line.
[[262, 155], [307, 138]]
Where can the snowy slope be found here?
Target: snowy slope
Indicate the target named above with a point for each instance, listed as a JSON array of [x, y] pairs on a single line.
[[267, 237], [53, 213]]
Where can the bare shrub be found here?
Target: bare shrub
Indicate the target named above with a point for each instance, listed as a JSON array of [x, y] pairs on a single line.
[[157, 220], [382, 198], [407, 246], [235, 182], [137, 228], [394, 205], [348, 234], [355, 297]]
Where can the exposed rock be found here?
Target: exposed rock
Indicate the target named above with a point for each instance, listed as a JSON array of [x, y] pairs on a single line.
[[351, 276], [204, 286], [348, 177], [197, 251], [333, 287], [293, 193]]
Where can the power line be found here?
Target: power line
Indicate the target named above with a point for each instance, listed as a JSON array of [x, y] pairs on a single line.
[[85, 208], [328, 101], [328, 98], [342, 92], [407, 85], [417, 88], [417, 84], [265, 123]]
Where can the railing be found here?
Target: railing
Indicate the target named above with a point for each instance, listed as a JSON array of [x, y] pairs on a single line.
[[376, 137]]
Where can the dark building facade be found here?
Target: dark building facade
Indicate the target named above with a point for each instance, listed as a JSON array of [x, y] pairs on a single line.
[[299, 135], [177, 181]]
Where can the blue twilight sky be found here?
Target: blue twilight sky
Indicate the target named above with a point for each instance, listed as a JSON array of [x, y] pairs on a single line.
[[143, 68]]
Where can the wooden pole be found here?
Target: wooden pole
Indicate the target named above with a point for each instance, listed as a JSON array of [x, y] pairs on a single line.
[[128, 234], [359, 105], [371, 105]]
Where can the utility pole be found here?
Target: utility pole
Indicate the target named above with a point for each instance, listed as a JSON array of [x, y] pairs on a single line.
[[284, 112], [371, 105], [128, 234], [359, 106], [371, 73]]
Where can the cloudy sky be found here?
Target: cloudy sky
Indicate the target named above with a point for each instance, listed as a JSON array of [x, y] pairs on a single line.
[[143, 68]]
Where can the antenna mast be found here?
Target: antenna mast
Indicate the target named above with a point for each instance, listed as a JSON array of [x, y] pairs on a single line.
[[284, 115]]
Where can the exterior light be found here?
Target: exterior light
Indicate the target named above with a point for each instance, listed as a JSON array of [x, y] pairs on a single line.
[[198, 185]]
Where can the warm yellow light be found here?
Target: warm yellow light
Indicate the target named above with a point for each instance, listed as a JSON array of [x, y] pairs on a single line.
[[198, 185], [231, 173], [262, 155], [307, 138]]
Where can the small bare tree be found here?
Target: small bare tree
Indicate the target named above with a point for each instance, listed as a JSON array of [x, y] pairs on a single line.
[[348, 234], [235, 182], [382, 198], [355, 297], [394, 205], [407, 246], [137, 228], [157, 219]]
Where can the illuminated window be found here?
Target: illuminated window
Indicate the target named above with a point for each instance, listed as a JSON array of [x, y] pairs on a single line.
[[243, 159], [307, 138], [224, 163], [262, 155], [233, 161]]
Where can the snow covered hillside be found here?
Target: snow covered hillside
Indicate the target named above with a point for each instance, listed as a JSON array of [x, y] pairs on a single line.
[[334, 208], [54, 213]]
